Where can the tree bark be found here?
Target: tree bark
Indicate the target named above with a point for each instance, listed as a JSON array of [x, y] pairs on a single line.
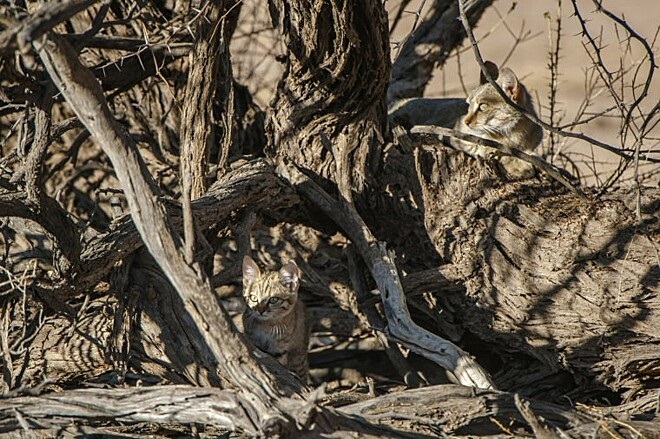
[[464, 413], [217, 342], [525, 286], [559, 279], [199, 127], [329, 114]]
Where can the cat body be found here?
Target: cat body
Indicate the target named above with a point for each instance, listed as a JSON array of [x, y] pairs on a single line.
[[485, 114], [275, 319]]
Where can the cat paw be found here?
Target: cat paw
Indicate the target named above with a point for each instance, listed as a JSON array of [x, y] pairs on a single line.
[[517, 169]]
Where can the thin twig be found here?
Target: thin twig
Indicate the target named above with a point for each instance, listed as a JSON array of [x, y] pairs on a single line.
[[514, 152], [622, 152], [554, 74]]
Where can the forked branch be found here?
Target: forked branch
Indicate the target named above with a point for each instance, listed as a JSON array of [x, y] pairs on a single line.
[[400, 326]]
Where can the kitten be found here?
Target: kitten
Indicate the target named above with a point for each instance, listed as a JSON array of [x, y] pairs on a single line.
[[275, 319], [484, 114]]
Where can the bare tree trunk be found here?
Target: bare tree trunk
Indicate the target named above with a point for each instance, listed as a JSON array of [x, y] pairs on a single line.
[[329, 114], [304, 128]]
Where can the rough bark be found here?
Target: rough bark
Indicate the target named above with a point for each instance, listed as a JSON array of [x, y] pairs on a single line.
[[463, 413], [553, 295], [309, 102], [199, 128], [400, 327], [218, 343], [328, 115], [559, 279], [252, 184]]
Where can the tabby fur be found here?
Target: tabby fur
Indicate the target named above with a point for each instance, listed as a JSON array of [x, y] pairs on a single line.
[[275, 318], [485, 114]]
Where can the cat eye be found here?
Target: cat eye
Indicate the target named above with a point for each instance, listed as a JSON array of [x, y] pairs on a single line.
[[483, 106], [252, 298], [274, 300]]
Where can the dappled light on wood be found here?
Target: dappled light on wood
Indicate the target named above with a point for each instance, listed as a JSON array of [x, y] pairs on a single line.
[[158, 157]]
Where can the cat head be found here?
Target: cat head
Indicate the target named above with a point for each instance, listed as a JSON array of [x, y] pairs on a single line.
[[488, 112], [270, 295]]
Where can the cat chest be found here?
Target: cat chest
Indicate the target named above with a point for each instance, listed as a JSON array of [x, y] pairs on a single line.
[[271, 338]]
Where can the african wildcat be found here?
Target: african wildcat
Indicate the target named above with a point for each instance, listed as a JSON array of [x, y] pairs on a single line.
[[274, 318], [484, 114]]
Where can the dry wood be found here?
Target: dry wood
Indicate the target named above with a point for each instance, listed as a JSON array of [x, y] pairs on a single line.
[[209, 59], [529, 158], [217, 335], [400, 327], [167, 404], [438, 34], [463, 411], [310, 105], [43, 20], [540, 267], [555, 295], [254, 184]]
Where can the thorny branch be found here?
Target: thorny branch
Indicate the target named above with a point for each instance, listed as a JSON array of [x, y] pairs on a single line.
[[532, 159], [554, 42], [608, 78], [626, 153]]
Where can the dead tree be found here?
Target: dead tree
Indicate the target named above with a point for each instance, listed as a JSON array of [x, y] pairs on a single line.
[[428, 255]]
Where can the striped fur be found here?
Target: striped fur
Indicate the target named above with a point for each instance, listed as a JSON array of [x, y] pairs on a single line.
[[489, 116], [275, 319]]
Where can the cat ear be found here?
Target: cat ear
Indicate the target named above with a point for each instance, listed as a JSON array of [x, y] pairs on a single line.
[[250, 270], [290, 276], [492, 70], [509, 83]]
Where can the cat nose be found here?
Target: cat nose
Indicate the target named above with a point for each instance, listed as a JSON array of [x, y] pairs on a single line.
[[467, 120], [261, 307]]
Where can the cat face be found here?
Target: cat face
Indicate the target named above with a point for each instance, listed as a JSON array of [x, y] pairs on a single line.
[[273, 294], [488, 114]]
